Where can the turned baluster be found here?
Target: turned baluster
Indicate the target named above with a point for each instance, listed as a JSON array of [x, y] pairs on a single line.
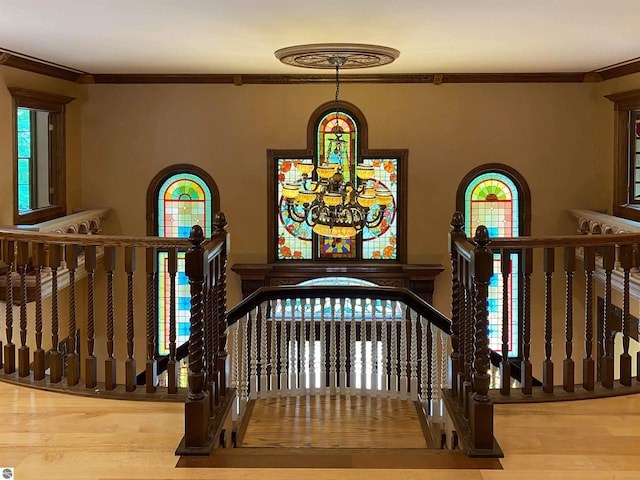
[[264, 352], [547, 364], [55, 356], [73, 359], [218, 232], [130, 362], [172, 363], [151, 365], [455, 367], [428, 365], [38, 354], [403, 353], [109, 263], [352, 347], [91, 362], [568, 364], [526, 378], [625, 359], [588, 364], [9, 348], [505, 366], [23, 352], [606, 336]]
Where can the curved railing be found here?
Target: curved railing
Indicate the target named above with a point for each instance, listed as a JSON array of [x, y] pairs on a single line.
[[80, 310], [338, 340], [482, 261]]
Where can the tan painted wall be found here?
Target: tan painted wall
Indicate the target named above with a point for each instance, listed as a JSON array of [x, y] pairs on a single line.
[[547, 132], [120, 136]]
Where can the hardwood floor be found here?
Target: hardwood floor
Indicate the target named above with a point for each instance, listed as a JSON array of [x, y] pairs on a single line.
[[325, 422], [47, 435]]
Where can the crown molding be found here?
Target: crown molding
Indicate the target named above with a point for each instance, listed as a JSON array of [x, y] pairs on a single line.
[[34, 65]]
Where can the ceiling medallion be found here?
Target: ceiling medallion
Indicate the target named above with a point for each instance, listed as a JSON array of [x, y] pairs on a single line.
[[323, 55]]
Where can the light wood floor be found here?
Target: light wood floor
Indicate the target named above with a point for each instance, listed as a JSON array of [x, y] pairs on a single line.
[[326, 422], [46, 435]]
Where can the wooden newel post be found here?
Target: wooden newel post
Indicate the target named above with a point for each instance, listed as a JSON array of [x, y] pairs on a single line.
[[457, 233], [480, 404], [196, 413]]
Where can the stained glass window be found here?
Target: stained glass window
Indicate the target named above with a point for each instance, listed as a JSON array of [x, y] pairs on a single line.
[[184, 200], [380, 242], [492, 199], [294, 238], [337, 138]]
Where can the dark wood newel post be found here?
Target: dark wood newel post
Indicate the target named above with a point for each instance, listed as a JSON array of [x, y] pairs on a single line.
[[196, 413], [480, 404], [457, 233]]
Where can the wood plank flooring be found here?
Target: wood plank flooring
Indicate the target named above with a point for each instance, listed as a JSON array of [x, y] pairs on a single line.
[[46, 435], [332, 422]]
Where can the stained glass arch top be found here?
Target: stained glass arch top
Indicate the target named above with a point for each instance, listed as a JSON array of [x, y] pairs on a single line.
[[184, 200]]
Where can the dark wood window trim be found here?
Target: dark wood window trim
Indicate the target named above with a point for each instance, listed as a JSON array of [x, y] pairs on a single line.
[[56, 106], [623, 205]]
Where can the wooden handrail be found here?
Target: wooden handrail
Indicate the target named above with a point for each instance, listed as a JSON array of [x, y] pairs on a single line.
[[403, 295], [97, 240]]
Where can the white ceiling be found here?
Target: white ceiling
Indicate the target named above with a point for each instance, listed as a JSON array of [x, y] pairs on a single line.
[[240, 36]]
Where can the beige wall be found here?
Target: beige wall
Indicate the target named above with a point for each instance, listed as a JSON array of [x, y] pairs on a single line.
[[120, 136], [547, 132]]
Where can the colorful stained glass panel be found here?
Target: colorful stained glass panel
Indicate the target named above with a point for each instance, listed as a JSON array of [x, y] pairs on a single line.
[[379, 242], [294, 236], [184, 200], [491, 199]]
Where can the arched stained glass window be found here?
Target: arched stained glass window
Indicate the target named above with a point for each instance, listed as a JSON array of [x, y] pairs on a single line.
[[294, 239], [494, 198], [184, 200], [180, 197]]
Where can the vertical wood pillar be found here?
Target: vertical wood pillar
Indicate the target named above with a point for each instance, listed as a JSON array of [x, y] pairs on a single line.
[[607, 337], [547, 364], [55, 356], [505, 366], [568, 367], [23, 352], [172, 364], [625, 358], [526, 377], [151, 365], [197, 403], [9, 348], [130, 362], [109, 262], [457, 233], [91, 362], [38, 354], [480, 404], [588, 364], [73, 359]]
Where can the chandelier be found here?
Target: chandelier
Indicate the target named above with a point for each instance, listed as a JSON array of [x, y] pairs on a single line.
[[331, 205]]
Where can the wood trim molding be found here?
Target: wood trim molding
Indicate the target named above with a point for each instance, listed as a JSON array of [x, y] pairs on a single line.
[[279, 79], [41, 67], [35, 65]]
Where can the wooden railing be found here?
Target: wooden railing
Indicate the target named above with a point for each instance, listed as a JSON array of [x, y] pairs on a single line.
[[338, 340], [470, 400], [69, 336]]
